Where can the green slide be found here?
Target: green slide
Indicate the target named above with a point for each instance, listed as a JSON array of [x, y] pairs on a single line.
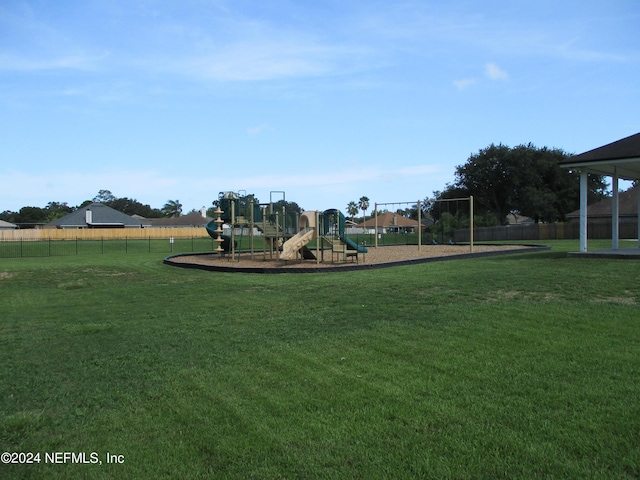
[[351, 245]]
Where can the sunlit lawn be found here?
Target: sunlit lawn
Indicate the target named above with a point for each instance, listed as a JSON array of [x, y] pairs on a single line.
[[518, 366]]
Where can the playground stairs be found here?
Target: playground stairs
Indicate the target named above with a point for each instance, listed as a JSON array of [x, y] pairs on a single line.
[[269, 229], [339, 248], [333, 242]]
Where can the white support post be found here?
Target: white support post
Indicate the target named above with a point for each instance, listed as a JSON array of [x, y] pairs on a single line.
[[251, 216], [583, 211], [318, 237], [419, 226], [471, 221], [638, 221], [233, 236], [615, 216], [375, 213]]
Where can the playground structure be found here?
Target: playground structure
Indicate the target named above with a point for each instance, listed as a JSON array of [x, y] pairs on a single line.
[[328, 230], [287, 235], [317, 236]]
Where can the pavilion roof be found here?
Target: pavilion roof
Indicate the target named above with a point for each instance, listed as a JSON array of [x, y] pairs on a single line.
[[621, 157]]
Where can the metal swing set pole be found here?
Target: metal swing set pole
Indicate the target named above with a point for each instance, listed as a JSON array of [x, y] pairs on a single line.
[[375, 214], [471, 220]]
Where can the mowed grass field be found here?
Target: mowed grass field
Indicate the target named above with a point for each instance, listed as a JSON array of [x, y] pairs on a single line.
[[518, 366]]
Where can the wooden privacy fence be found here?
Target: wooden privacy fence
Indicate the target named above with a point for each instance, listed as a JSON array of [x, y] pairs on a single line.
[[100, 233]]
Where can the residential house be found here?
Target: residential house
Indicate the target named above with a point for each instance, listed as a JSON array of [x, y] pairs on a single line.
[[193, 219], [7, 226], [601, 211], [389, 222], [97, 215]]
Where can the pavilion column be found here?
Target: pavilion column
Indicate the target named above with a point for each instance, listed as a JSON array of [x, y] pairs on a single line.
[[583, 211], [615, 216]]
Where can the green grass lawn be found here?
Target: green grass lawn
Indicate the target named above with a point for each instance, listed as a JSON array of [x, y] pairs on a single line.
[[518, 366]]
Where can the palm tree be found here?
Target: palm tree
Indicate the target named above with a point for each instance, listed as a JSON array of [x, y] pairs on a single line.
[[352, 209], [173, 208], [363, 203]]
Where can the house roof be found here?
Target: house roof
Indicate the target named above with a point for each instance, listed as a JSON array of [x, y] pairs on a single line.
[[622, 156], [389, 219], [515, 219], [193, 219], [6, 225], [100, 216], [627, 206]]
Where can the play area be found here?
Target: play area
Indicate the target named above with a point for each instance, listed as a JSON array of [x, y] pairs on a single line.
[[267, 238], [286, 236]]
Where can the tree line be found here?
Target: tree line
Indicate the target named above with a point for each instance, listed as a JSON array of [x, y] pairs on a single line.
[[524, 180], [54, 210]]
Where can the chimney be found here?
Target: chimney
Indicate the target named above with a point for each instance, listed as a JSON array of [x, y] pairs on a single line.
[[203, 212], [88, 216]]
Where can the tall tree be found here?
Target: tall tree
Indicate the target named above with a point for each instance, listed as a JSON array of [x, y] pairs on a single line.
[[525, 180], [363, 203], [352, 209], [57, 210], [31, 216], [441, 202], [173, 208], [131, 206], [104, 196], [490, 176]]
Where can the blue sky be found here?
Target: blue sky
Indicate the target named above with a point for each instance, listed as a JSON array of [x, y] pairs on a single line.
[[326, 100]]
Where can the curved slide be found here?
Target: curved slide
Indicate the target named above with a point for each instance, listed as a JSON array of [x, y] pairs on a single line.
[[295, 243], [226, 239]]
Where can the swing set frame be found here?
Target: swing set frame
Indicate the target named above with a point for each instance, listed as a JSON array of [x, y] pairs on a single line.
[[419, 204]]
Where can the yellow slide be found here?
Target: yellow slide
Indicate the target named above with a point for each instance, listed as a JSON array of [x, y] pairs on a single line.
[[295, 243]]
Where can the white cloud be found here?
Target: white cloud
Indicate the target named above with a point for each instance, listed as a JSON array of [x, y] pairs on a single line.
[[258, 129], [346, 176], [63, 62], [492, 71], [267, 60], [195, 190], [464, 83], [37, 189]]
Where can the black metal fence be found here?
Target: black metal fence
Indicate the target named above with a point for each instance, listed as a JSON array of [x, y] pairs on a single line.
[[125, 246], [513, 233], [50, 247]]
